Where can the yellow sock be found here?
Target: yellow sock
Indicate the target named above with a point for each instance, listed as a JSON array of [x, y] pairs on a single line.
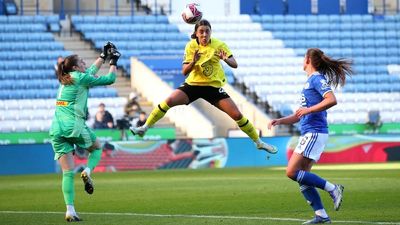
[[157, 113], [246, 126]]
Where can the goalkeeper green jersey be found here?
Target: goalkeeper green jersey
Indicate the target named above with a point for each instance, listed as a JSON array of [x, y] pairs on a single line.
[[71, 105]]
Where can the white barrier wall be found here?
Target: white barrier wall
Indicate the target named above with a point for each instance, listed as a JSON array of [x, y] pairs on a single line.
[[253, 113]]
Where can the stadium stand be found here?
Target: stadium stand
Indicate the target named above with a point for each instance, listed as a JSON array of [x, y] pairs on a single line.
[[277, 79], [28, 54], [134, 36], [368, 40], [280, 41]]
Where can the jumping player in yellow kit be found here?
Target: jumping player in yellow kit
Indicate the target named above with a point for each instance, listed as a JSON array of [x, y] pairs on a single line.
[[205, 78]]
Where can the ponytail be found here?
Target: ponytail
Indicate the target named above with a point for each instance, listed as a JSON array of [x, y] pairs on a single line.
[[335, 70], [65, 67]]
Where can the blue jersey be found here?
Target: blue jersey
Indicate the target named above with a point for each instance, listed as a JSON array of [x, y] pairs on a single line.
[[312, 94]]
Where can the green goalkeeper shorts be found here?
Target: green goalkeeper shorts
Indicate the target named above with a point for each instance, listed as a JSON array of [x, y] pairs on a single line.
[[62, 145]]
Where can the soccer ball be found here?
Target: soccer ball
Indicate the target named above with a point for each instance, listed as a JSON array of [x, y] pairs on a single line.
[[192, 14]]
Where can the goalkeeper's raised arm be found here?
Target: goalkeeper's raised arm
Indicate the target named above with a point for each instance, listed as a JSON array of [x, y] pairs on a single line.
[[109, 53]]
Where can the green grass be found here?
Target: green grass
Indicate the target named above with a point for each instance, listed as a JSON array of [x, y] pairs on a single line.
[[211, 196]]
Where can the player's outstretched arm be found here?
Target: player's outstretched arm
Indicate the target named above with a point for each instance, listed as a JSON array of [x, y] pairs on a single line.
[[230, 60], [92, 80], [99, 61], [284, 121]]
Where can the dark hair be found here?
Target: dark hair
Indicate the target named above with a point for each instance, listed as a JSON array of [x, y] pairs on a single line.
[[65, 67], [198, 24], [336, 70]]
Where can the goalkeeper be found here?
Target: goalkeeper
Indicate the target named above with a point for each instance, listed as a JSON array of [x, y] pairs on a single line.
[[68, 127]]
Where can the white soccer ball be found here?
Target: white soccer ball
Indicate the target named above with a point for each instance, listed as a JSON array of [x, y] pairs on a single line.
[[192, 13]]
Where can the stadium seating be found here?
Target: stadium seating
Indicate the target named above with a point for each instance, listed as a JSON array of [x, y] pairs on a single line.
[[270, 50], [370, 42], [27, 78], [134, 35]]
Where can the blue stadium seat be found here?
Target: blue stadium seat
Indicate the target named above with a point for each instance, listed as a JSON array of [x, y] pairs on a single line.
[[370, 69], [122, 19], [266, 18], [389, 34], [366, 18], [301, 18], [46, 93], [89, 19], [4, 94], [275, 7], [368, 51], [106, 19], [256, 18], [55, 27], [334, 18], [150, 19], [302, 7], [3, 19], [381, 52], [357, 26], [357, 79], [357, 34], [102, 92], [39, 19], [18, 94], [52, 19], [76, 19], [334, 44], [328, 7], [161, 19], [356, 7]]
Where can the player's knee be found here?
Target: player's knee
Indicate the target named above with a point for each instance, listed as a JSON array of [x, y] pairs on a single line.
[[169, 102], [291, 174], [96, 145], [236, 116]]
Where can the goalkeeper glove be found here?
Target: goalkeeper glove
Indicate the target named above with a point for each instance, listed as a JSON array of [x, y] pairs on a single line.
[[114, 56], [106, 50]]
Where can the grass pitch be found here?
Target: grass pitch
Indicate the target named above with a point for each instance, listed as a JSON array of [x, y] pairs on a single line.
[[210, 196]]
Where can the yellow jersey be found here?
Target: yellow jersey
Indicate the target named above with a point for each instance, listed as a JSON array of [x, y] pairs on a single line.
[[208, 70]]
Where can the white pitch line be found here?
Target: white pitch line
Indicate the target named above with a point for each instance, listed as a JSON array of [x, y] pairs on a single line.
[[199, 216]]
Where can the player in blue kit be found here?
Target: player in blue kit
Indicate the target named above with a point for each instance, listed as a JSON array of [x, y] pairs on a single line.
[[316, 97]]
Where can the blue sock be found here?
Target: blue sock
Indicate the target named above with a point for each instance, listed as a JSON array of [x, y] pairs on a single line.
[[312, 197], [310, 179]]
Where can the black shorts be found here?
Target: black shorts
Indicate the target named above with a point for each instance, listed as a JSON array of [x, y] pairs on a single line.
[[208, 93]]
